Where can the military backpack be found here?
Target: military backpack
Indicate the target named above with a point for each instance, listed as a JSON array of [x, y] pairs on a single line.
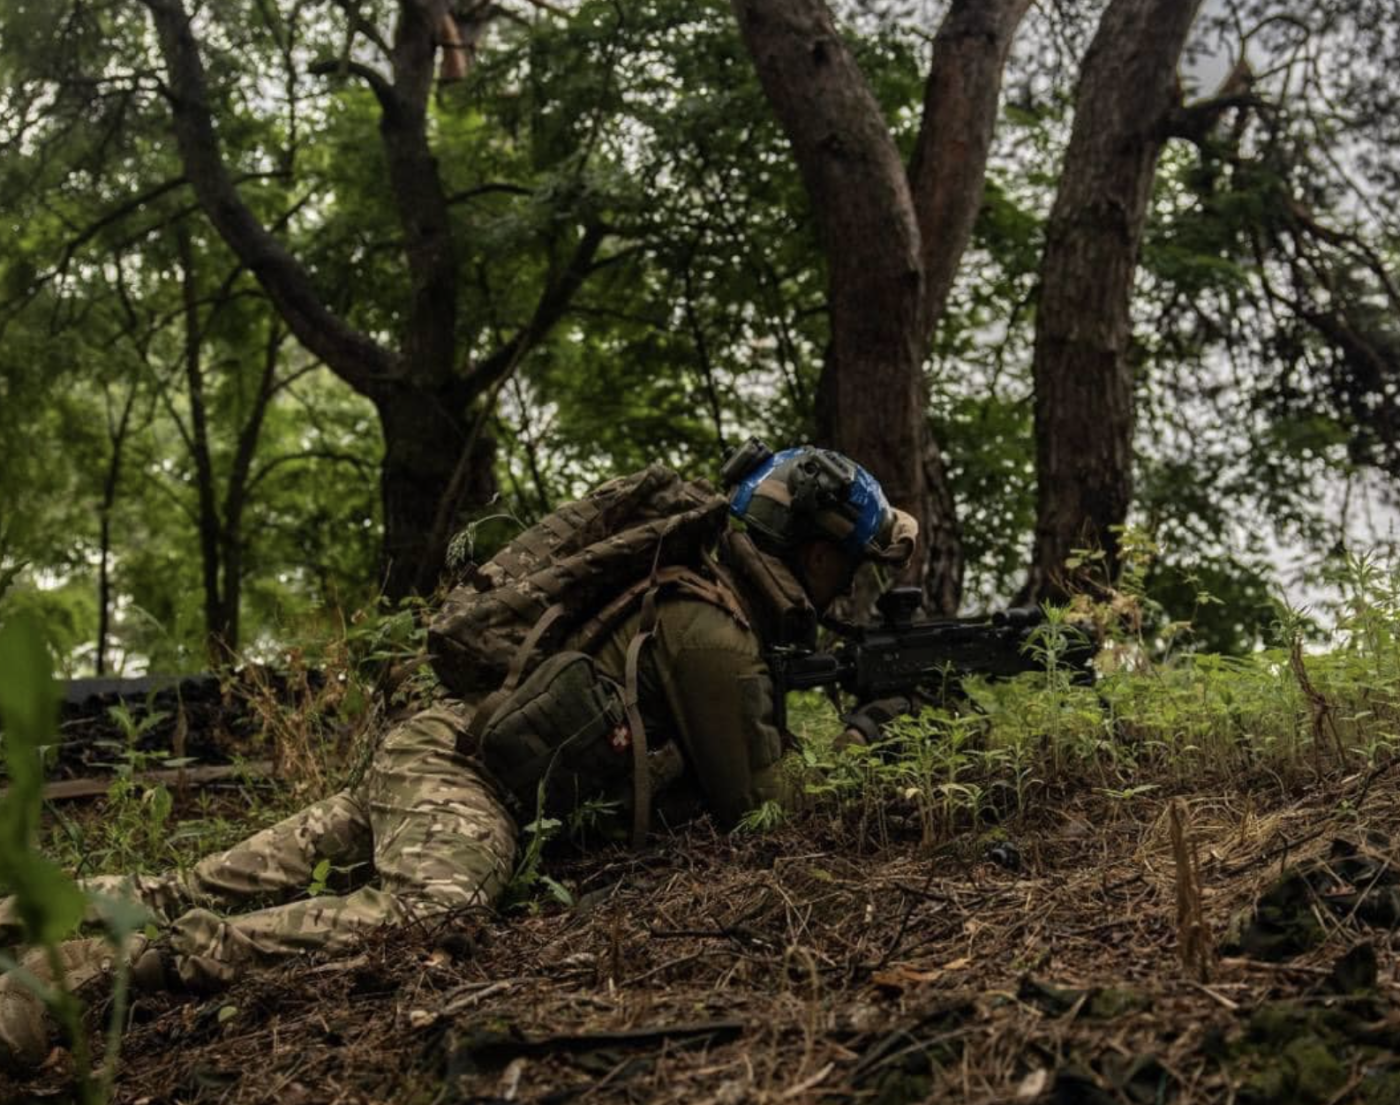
[[575, 575]]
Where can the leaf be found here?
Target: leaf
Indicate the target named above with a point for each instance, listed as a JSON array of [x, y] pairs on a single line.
[[226, 1013], [28, 694], [558, 891], [160, 804], [47, 900]]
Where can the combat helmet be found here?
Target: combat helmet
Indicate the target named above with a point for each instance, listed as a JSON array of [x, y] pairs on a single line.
[[787, 498]]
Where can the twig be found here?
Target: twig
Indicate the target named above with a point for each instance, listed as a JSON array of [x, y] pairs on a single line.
[[807, 1083]]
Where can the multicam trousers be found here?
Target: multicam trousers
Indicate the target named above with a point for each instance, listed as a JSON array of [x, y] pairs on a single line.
[[433, 831]]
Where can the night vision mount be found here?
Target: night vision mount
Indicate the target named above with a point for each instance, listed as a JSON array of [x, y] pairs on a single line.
[[749, 456]]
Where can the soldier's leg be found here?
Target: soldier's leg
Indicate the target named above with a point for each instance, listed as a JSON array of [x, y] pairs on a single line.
[[442, 841], [271, 865], [442, 838], [25, 1024]]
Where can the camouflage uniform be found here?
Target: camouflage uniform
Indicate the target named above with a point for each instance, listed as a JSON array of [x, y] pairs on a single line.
[[434, 830]]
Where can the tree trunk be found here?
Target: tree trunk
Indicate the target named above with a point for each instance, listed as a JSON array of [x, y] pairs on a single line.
[[1128, 92], [420, 392], [870, 400], [892, 239], [117, 434], [424, 435], [210, 527], [946, 177]]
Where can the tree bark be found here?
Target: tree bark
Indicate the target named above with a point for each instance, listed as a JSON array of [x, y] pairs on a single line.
[[232, 541], [892, 238], [1128, 93], [949, 163], [218, 645], [117, 434], [946, 176]]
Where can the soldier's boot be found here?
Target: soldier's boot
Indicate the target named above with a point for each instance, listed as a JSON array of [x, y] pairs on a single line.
[[25, 1022]]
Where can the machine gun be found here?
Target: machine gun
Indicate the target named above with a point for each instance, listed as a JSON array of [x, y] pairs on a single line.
[[902, 656]]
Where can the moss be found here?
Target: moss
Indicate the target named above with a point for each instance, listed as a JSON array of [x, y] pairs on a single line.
[[1318, 1073], [1115, 1001], [1305, 1072]]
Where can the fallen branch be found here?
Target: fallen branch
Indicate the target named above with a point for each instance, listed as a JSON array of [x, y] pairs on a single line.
[[66, 789]]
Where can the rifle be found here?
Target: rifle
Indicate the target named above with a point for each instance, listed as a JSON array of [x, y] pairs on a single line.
[[902, 656]]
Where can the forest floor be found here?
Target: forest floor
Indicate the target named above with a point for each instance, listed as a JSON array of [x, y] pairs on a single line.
[[1041, 964]]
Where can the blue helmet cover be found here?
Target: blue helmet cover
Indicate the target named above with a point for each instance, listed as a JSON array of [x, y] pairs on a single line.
[[871, 510], [743, 493], [866, 504]]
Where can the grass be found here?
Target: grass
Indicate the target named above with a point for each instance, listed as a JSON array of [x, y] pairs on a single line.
[[1161, 722], [1280, 718]]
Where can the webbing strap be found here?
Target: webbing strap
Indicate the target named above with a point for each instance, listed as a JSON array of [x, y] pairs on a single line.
[[491, 705], [528, 645], [632, 703], [675, 578]]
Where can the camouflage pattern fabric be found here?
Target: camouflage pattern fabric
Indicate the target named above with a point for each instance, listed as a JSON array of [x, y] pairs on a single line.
[[425, 832], [423, 820]]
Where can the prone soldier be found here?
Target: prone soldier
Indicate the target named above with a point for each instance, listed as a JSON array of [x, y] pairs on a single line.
[[653, 691]]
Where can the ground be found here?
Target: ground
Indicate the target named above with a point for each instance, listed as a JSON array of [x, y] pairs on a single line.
[[832, 960]]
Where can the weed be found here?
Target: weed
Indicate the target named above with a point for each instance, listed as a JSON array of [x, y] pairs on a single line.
[[520, 892], [1168, 721], [49, 904], [763, 818]]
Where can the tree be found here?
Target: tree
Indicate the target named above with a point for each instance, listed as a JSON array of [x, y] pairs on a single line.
[[892, 238], [427, 393], [1084, 397]]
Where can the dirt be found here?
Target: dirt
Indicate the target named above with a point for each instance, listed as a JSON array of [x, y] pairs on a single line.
[[1035, 963]]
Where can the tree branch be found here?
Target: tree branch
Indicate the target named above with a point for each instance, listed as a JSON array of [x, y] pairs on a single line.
[[431, 334], [379, 85], [356, 358], [949, 163], [492, 187], [360, 25], [310, 454], [553, 302]]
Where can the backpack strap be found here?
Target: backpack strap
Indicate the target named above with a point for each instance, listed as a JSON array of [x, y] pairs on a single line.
[[676, 578], [632, 704], [492, 703]]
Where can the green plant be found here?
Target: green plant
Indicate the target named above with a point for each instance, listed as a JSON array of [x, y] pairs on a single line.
[[49, 904], [763, 818], [1167, 721], [528, 876]]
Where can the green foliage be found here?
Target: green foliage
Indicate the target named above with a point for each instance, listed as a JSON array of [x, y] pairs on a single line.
[[528, 876], [763, 818], [48, 902], [1281, 717], [704, 317]]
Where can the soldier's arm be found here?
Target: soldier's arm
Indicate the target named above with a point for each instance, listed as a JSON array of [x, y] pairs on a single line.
[[721, 697]]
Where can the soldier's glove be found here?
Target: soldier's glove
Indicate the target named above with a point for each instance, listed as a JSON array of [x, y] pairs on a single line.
[[865, 724]]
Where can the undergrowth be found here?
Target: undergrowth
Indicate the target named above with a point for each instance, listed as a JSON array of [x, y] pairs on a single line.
[[1156, 721], [1159, 719], [319, 706]]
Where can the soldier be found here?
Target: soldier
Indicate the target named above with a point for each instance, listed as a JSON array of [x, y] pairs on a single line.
[[433, 822]]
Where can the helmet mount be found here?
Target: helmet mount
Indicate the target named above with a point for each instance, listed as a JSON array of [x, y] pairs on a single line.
[[788, 498]]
